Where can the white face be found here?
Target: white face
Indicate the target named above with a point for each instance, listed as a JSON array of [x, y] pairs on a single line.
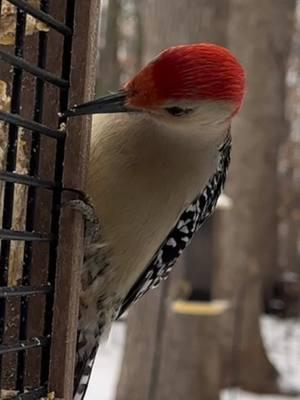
[[194, 114]]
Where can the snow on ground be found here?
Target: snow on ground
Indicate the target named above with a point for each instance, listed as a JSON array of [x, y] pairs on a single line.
[[107, 366], [237, 394], [282, 341]]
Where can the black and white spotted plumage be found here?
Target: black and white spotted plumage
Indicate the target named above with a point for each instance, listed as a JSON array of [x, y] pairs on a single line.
[[181, 235]]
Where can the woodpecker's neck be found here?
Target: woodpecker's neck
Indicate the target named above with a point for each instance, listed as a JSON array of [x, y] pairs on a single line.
[[192, 138], [143, 146]]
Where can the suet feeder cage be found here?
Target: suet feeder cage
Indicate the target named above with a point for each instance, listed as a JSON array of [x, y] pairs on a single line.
[[47, 55]]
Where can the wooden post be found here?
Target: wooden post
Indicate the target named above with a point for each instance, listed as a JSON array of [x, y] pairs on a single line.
[[70, 251]]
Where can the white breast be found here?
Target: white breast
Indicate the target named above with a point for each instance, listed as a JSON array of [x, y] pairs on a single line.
[[141, 178]]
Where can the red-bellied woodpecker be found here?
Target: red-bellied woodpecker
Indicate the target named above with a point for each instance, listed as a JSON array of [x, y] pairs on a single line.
[[159, 154]]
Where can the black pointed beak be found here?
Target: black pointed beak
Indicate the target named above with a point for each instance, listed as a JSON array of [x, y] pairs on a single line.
[[112, 103]]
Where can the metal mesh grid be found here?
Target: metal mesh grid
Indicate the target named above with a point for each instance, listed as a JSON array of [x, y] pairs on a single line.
[[15, 298]]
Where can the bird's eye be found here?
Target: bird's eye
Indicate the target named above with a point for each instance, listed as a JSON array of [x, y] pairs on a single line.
[[178, 111]]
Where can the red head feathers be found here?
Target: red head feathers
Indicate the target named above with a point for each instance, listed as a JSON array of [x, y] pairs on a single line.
[[188, 73]]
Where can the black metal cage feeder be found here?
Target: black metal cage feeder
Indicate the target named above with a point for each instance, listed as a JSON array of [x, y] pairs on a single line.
[[35, 74]]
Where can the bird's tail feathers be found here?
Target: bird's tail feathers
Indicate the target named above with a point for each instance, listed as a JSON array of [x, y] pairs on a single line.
[[87, 346], [83, 373]]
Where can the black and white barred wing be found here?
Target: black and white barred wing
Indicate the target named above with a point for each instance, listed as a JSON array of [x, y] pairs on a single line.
[[181, 235]]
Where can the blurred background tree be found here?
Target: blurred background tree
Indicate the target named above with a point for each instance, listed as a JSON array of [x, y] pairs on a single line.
[[109, 40], [248, 236], [248, 253]]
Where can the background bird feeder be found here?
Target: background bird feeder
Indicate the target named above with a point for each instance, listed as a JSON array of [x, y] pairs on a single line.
[[47, 58]]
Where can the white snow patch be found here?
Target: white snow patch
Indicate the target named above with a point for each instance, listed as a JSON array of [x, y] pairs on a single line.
[[107, 365], [281, 338], [237, 394], [282, 342]]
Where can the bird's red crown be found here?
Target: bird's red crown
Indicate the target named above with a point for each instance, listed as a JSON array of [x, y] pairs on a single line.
[[188, 73]]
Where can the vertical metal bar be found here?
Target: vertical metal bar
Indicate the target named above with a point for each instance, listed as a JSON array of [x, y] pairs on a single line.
[[10, 166], [31, 200], [66, 67]]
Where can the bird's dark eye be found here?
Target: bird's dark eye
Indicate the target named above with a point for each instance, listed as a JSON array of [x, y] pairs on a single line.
[[178, 111]]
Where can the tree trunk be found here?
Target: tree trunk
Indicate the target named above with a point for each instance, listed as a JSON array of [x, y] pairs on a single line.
[[174, 356], [172, 22], [108, 70], [290, 171], [249, 233]]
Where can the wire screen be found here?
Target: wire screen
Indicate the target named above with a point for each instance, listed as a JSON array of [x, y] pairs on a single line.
[[35, 57]]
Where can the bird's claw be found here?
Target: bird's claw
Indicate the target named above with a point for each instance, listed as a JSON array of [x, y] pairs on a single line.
[[92, 224]]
